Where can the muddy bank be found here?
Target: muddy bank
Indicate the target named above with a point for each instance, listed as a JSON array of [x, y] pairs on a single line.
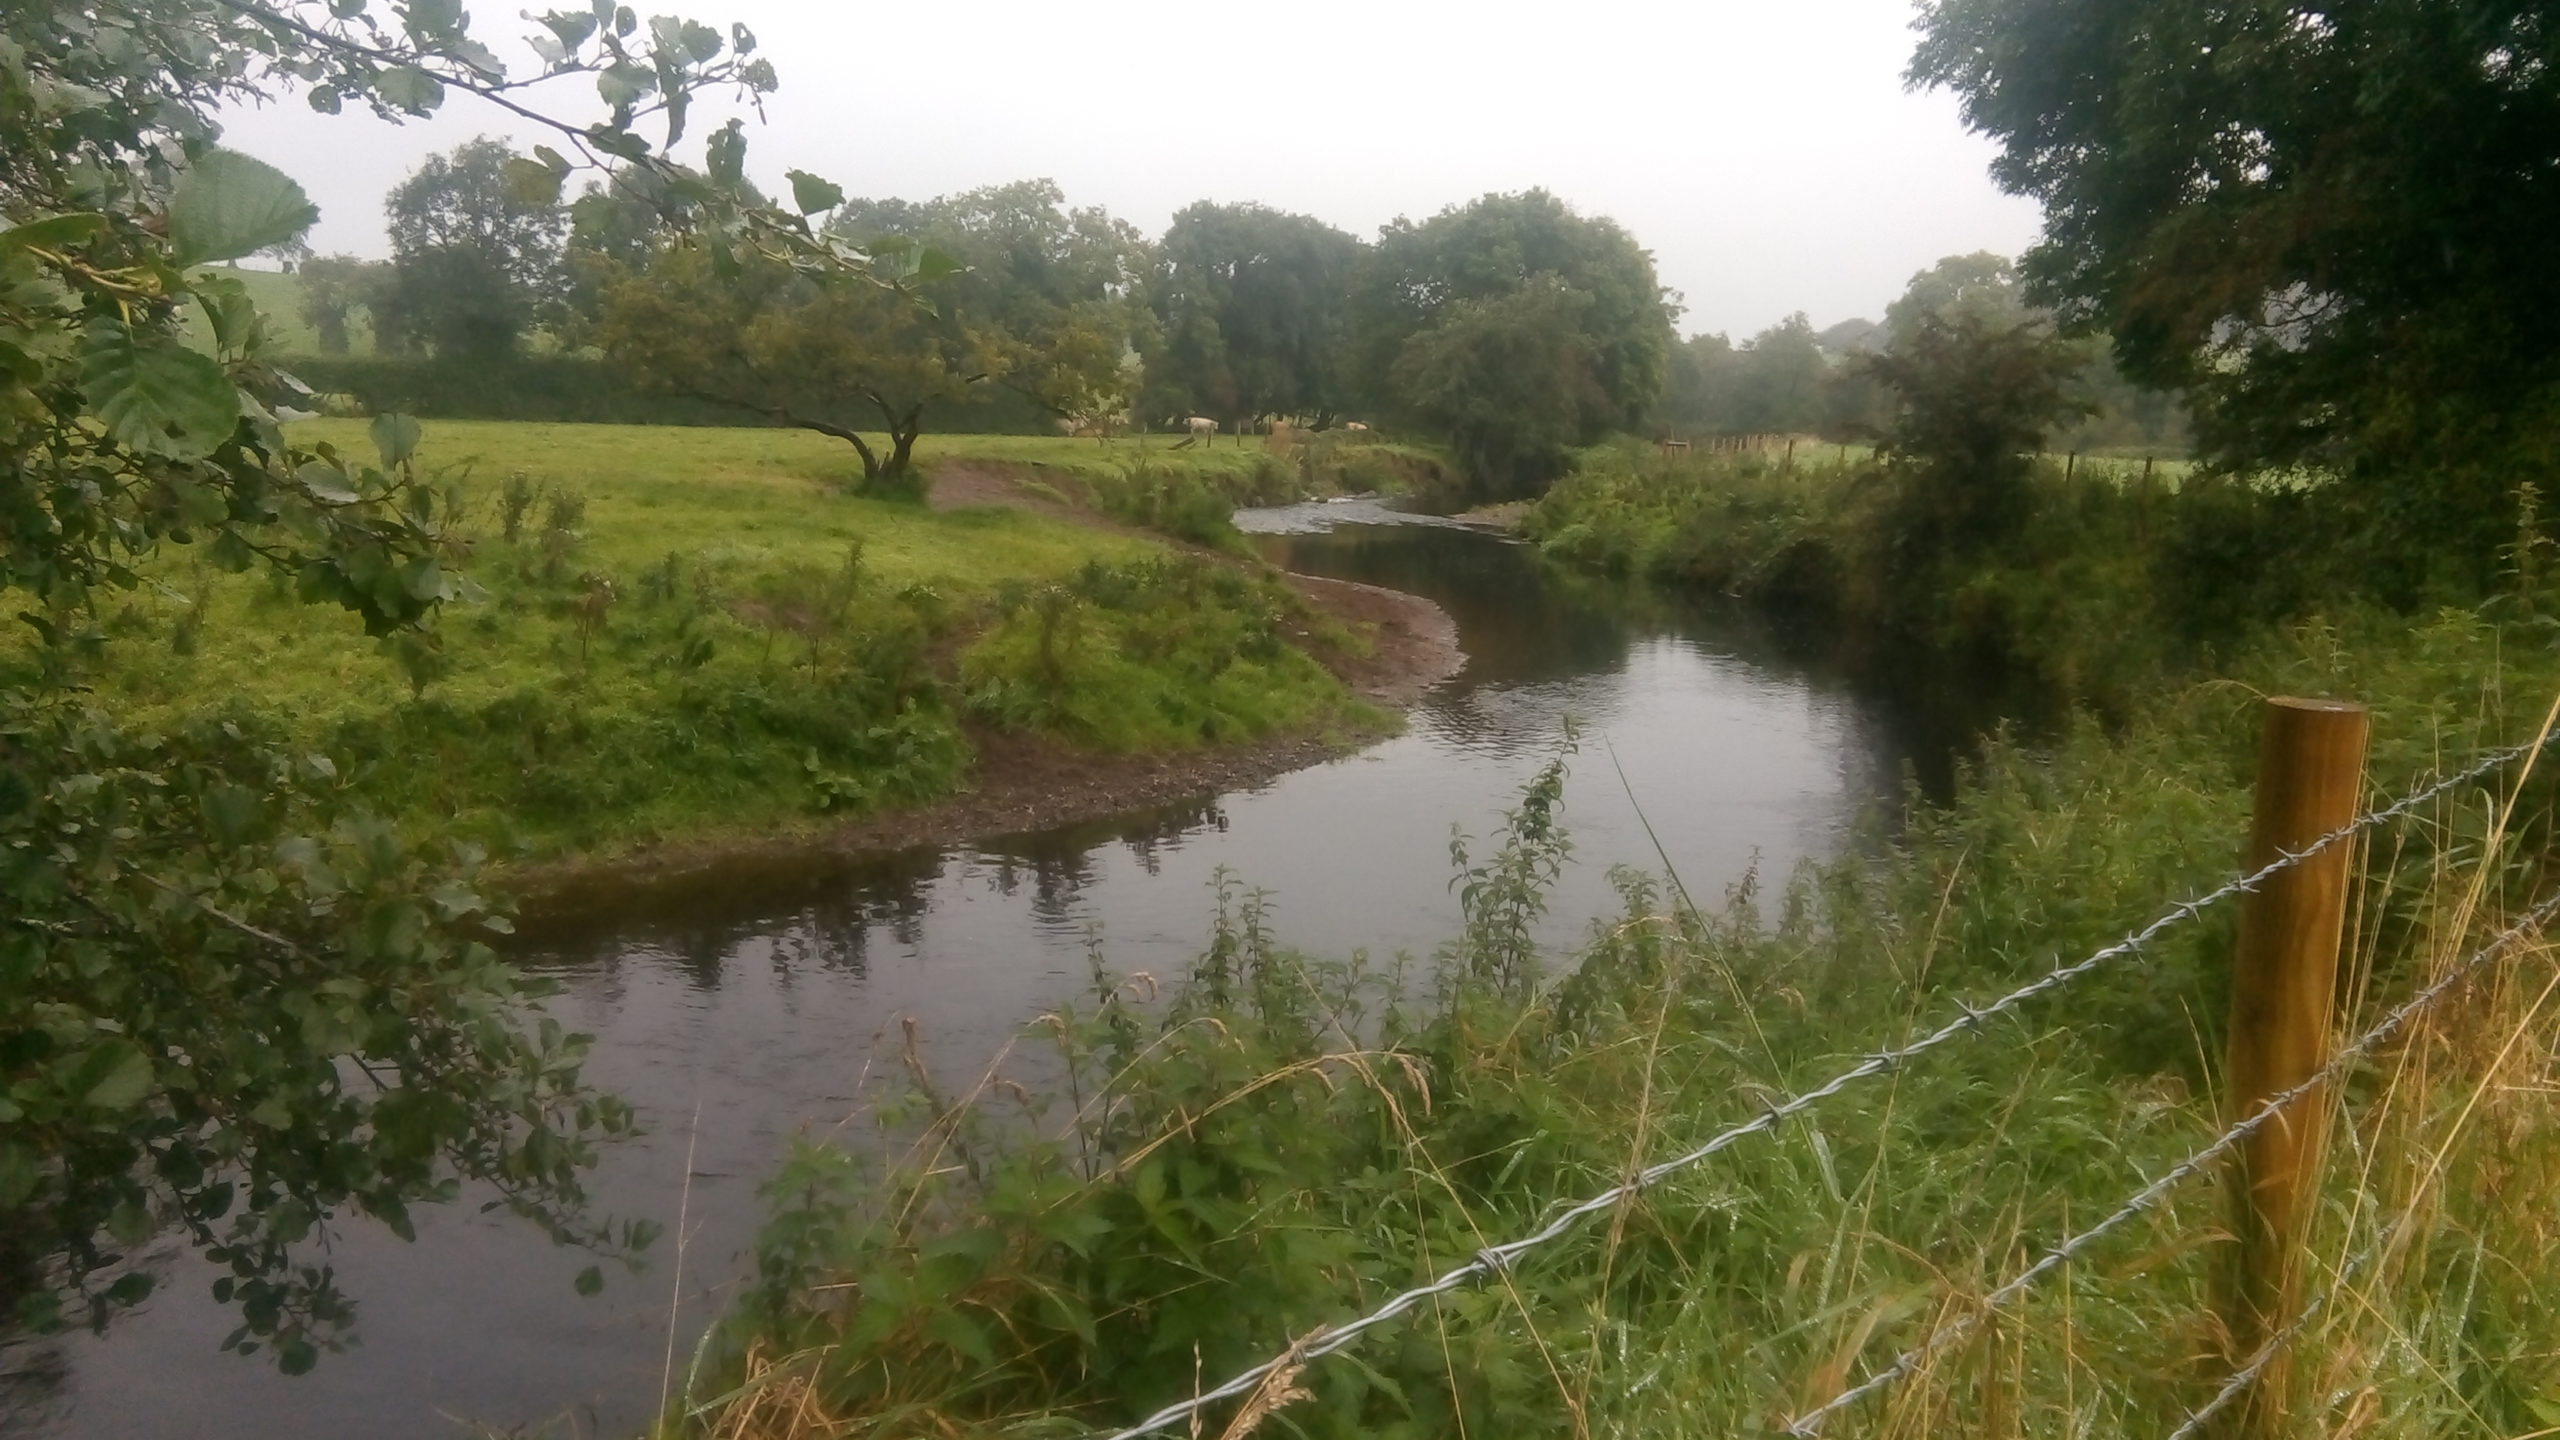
[[1403, 646]]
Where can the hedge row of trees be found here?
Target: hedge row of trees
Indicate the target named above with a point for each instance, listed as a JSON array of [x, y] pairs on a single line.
[[1512, 327]]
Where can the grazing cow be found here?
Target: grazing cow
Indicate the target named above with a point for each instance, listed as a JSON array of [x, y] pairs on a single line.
[[1353, 425], [1201, 427]]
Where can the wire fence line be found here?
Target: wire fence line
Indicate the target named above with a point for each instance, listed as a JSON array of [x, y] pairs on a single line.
[[2344, 1060], [2247, 1375], [1498, 1258]]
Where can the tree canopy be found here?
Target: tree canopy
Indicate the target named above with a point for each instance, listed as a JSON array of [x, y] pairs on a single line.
[[1047, 292], [1252, 316], [2331, 221], [475, 256], [1491, 268], [832, 357]]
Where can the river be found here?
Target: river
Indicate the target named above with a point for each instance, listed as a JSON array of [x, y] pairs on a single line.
[[740, 1018]]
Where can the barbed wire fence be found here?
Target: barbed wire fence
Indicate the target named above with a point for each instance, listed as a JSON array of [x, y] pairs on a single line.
[[2343, 1060], [1496, 1259]]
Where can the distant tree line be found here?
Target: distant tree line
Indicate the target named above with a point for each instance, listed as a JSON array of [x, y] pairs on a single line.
[[1511, 328]]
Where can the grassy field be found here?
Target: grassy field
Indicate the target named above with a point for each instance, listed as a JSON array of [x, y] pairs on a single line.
[[686, 630]]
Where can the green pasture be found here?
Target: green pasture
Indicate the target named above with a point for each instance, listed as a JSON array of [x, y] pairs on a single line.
[[696, 629]]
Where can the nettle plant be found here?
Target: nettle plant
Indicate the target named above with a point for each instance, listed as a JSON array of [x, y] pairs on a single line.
[[230, 1004]]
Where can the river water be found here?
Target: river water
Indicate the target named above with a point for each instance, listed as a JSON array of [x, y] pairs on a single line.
[[740, 1017]]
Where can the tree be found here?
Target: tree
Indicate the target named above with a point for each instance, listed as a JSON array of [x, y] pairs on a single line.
[[1047, 291], [229, 1003], [1511, 380], [1448, 270], [477, 255], [1252, 313], [1974, 399], [1779, 380], [827, 357], [2331, 222], [334, 287], [1981, 284]]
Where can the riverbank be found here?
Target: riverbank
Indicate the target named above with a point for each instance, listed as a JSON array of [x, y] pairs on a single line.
[[664, 642], [1020, 783]]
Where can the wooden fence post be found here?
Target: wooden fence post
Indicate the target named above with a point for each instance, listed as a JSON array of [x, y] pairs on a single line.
[[2284, 976]]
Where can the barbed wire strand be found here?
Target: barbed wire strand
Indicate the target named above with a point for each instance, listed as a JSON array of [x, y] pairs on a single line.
[[2060, 1255], [2247, 1375], [1499, 1257]]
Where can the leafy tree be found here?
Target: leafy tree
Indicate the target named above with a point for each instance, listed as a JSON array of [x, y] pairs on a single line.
[[1448, 270], [1980, 284], [334, 287], [1252, 315], [2331, 221], [1047, 293], [828, 357], [1779, 382], [1511, 380], [228, 1002], [476, 253], [1974, 399]]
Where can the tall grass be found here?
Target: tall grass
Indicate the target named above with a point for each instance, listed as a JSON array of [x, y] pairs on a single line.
[[1191, 1180]]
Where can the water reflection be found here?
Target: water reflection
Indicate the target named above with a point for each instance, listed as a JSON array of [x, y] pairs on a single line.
[[749, 1002]]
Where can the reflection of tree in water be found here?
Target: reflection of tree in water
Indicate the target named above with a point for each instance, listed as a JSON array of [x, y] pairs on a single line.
[[1057, 865], [818, 907]]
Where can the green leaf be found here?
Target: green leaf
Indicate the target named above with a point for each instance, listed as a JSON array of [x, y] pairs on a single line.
[[533, 183], [118, 1076], [326, 99], [18, 1173], [154, 395], [409, 88], [725, 153], [814, 193], [590, 1280], [229, 205], [396, 437], [54, 232]]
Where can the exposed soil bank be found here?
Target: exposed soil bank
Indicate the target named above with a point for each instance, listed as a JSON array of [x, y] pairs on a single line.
[[1024, 783]]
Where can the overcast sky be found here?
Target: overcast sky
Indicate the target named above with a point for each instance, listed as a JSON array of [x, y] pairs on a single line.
[[1767, 153]]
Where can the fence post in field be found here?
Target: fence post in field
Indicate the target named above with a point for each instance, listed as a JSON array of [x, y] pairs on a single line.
[[2071, 468], [2283, 989], [1790, 462]]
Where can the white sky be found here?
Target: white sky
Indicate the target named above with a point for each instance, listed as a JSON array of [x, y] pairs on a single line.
[[1764, 150]]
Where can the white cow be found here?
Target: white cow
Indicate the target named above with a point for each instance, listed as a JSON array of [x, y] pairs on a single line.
[[1201, 427]]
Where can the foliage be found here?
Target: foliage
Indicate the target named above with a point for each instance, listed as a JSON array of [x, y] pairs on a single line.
[[1513, 381], [334, 287], [805, 352], [1165, 653], [231, 1002], [1280, 1143], [1975, 397], [2319, 219], [1047, 288], [1251, 315], [1437, 304], [474, 259]]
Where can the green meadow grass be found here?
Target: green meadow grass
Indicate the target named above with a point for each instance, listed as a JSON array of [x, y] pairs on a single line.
[[698, 631]]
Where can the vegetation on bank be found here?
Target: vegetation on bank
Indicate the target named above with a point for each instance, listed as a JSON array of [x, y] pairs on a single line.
[[673, 632], [1287, 1140]]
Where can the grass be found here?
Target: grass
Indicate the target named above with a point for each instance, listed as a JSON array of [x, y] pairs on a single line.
[[694, 631], [1286, 1141]]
